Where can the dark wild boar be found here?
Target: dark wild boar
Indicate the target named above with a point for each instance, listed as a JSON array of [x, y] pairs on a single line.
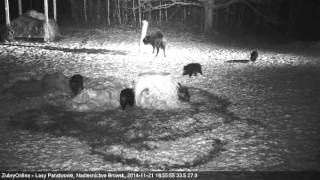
[[126, 97], [192, 69], [183, 93], [76, 84], [254, 56]]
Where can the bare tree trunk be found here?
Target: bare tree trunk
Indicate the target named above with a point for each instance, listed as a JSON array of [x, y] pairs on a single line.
[[184, 17], [202, 20], [91, 12], [114, 9], [98, 6], [8, 35], [149, 15], [240, 18], [20, 7], [160, 13], [75, 9], [85, 11], [7, 9], [166, 12], [125, 12], [216, 20], [134, 13], [184, 13], [55, 10], [119, 12], [108, 18], [143, 33], [208, 15], [46, 26], [139, 4]]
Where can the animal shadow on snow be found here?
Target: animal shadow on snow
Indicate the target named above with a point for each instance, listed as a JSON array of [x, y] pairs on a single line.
[[238, 61], [80, 50], [129, 128], [86, 125]]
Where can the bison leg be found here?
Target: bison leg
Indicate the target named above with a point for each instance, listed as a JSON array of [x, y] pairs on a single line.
[[157, 51]]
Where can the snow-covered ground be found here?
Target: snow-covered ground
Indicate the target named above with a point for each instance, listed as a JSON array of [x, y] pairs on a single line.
[[242, 116]]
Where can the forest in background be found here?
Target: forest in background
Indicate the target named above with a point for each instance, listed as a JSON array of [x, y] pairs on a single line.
[[295, 19]]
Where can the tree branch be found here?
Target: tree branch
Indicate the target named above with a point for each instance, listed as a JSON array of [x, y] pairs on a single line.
[[260, 13], [228, 3], [219, 4]]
